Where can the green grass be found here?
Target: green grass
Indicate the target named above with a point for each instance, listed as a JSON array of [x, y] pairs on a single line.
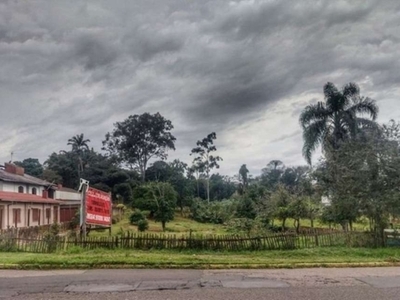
[[317, 257], [180, 226]]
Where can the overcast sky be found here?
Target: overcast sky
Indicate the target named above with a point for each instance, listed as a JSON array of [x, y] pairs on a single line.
[[244, 69]]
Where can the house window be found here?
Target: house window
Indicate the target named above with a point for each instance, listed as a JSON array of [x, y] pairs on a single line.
[[34, 191], [16, 216], [35, 215], [20, 189]]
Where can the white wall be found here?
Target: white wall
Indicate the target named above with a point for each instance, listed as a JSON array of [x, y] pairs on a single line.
[[8, 218], [67, 195], [13, 187]]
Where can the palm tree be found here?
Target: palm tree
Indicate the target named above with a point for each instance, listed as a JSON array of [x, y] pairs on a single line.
[[337, 119], [79, 146]]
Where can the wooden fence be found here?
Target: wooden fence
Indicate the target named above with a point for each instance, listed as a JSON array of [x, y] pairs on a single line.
[[140, 241]]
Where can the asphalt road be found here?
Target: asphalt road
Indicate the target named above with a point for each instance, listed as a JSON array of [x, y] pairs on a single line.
[[327, 284]]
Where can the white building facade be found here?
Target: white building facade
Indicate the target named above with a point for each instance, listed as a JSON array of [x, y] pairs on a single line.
[[25, 200]]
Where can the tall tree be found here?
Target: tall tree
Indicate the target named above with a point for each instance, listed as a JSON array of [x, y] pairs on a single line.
[[196, 171], [32, 166], [140, 138], [79, 145], [272, 173], [337, 119], [243, 177], [204, 157]]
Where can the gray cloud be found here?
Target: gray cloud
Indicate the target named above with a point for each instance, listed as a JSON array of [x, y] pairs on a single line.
[[244, 69]]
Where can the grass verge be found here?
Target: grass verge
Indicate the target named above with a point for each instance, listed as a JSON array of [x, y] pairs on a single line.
[[317, 257]]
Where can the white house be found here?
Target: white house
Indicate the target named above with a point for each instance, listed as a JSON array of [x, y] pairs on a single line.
[[26, 200]]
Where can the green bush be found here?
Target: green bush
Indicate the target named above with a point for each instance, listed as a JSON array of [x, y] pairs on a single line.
[[217, 212], [240, 225], [143, 225], [136, 216]]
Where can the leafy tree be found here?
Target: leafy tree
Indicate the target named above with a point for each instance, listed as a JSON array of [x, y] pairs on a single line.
[[136, 216], [165, 197], [246, 209], [140, 138], [392, 131], [205, 159], [362, 178], [297, 210], [313, 208], [336, 120], [79, 146], [221, 187], [159, 171], [218, 212], [51, 176], [157, 197], [271, 175], [196, 171], [63, 164], [143, 225], [281, 200], [174, 173], [32, 166], [123, 191], [181, 184]]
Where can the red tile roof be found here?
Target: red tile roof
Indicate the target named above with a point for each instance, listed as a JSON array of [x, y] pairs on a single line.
[[20, 197]]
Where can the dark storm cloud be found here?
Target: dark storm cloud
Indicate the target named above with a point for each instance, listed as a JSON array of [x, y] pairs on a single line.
[[241, 68]]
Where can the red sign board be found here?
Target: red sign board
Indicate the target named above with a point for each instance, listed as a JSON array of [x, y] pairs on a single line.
[[98, 207]]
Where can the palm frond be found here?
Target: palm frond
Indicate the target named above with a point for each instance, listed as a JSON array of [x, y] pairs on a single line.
[[330, 90], [314, 112], [351, 90], [313, 136], [365, 106]]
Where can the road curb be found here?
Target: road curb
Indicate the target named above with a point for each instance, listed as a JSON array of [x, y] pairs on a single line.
[[194, 266]]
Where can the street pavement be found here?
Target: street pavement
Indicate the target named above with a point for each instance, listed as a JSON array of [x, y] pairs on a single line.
[[280, 284]]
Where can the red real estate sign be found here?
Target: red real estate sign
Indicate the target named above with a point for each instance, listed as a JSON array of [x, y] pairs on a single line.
[[98, 207]]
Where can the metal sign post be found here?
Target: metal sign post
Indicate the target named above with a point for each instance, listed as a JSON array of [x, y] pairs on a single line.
[[83, 187]]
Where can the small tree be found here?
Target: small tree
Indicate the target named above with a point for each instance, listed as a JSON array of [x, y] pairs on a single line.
[[143, 225], [246, 209], [136, 217], [165, 197], [297, 210], [204, 159], [281, 200]]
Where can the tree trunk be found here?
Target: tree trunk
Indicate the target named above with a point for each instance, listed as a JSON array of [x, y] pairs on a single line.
[[298, 226], [143, 175], [198, 188], [312, 222], [163, 225], [283, 224], [208, 190]]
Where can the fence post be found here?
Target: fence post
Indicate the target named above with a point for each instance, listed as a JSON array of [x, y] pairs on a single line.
[[316, 239], [116, 242]]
